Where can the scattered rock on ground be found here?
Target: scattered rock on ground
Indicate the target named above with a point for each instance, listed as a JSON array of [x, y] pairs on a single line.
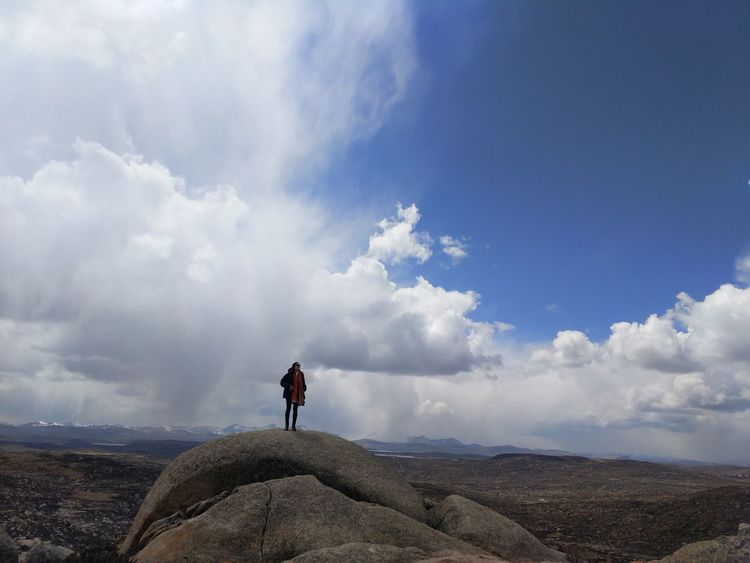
[[26, 544], [481, 526], [724, 549], [45, 552], [8, 548], [255, 457], [85, 500]]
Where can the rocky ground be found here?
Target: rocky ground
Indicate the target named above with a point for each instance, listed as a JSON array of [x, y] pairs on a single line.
[[81, 500], [594, 510]]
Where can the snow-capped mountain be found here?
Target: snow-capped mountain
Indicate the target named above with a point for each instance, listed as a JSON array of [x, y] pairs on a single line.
[[61, 433]]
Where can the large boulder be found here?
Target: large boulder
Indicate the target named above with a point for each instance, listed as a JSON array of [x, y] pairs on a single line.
[[724, 549], [255, 457], [285, 518], [481, 526]]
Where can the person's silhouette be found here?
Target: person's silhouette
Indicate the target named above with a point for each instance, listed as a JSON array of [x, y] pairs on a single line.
[[294, 386]]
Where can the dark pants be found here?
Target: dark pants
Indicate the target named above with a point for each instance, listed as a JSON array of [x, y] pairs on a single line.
[[286, 414]]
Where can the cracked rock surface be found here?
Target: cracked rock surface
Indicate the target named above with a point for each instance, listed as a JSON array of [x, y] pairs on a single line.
[[231, 530], [285, 518], [309, 497], [255, 457]]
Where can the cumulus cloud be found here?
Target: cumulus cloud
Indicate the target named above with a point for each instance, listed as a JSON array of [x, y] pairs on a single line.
[[398, 241], [140, 282], [668, 371], [122, 277], [453, 248], [364, 322], [570, 348], [654, 344]]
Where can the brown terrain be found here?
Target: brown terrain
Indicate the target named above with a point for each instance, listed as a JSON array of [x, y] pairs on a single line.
[[594, 510], [83, 500]]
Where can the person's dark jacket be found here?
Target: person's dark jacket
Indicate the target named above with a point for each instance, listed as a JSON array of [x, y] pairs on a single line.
[[288, 380]]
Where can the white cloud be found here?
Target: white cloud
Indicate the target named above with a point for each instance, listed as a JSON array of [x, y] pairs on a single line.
[[428, 407], [145, 285], [453, 248], [655, 344], [570, 348], [256, 94], [129, 289], [552, 308], [368, 323], [718, 327], [125, 279], [398, 241], [100, 35], [742, 269]]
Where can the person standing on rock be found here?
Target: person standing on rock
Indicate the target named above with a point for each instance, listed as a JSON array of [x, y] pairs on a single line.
[[294, 386]]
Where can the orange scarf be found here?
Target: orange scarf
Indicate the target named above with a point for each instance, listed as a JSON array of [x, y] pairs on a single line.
[[298, 390]]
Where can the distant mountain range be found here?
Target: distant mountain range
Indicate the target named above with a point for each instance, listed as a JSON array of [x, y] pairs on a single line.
[[421, 446], [170, 441], [114, 434]]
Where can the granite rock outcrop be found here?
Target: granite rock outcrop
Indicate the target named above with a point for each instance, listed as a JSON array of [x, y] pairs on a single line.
[[310, 497]]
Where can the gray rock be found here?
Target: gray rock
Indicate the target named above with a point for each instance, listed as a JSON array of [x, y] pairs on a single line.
[[255, 457], [231, 530], [460, 558], [27, 543], [159, 526], [45, 552], [202, 506], [8, 548], [481, 526], [724, 549], [174, 520], [285, 518], [358, 552]]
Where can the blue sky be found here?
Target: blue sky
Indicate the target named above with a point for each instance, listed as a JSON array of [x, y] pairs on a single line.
[[506, 222], [594, 155]]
